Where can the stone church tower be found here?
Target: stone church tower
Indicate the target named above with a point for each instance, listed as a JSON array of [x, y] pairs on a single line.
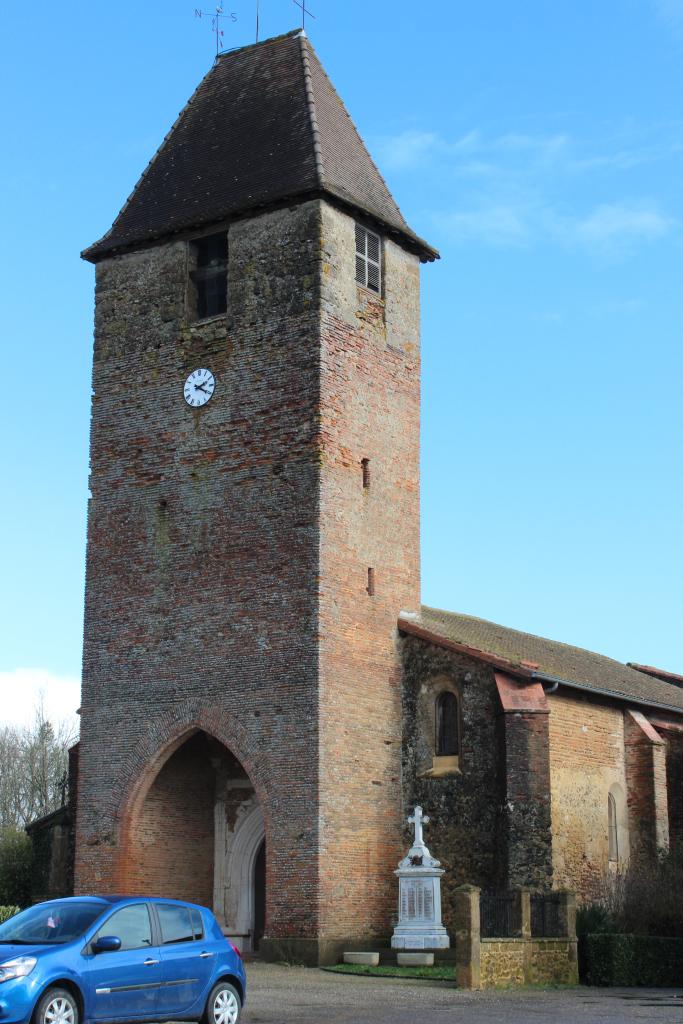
[[254, 521]]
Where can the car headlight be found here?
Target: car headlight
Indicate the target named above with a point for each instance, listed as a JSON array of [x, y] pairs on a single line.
[[17, 968]]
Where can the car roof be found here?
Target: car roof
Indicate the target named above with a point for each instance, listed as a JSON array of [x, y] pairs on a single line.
[[120, 898], [75, 899], [114, 898]]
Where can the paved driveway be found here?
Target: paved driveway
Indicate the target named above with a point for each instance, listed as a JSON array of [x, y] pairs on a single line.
[[295, 995]]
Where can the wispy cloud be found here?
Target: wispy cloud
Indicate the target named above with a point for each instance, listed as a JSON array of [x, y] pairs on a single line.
[[605, 229], [475, 154], [617, 223], [412, 148], [515, 189], [408, 149], [22, 689], [500, 225]]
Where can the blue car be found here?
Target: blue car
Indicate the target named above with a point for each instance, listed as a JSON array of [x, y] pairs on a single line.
[[118, 958]]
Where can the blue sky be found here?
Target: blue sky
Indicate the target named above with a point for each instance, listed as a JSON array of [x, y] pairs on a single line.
[[539, 146]]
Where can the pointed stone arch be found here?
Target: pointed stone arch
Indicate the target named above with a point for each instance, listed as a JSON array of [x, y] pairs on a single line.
[[181, 729], [166, 734]]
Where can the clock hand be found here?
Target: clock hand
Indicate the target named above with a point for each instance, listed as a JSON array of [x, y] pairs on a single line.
[[200, 387]]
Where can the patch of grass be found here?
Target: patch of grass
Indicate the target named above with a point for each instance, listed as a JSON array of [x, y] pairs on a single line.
[[438, 973]]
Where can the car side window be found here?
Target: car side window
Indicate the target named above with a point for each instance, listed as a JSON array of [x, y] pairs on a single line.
[[130, 924], [197, 924], [175, 923]]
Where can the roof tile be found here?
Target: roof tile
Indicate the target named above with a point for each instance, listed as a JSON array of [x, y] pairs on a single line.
[[265, 125], [562, 661]]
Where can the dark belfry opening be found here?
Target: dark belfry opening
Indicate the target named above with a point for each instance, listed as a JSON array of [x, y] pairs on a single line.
[[446, 725], [210, 274]]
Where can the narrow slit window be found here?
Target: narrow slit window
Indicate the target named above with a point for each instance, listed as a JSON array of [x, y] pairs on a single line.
[[210, 275], [612, 829], [371, 582], [365, 464], [368, 259], [446, 725]]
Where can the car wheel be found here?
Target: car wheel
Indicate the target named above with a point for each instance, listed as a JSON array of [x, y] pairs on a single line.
[[223, 1005], [56, 1006]]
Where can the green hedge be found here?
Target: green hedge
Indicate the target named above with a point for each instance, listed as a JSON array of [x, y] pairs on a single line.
[[7, 912], [631, 960]]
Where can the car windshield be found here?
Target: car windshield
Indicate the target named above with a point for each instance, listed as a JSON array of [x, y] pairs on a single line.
[[54, 923]]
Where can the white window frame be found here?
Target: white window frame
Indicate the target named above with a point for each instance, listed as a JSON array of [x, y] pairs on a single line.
[[368, 269]]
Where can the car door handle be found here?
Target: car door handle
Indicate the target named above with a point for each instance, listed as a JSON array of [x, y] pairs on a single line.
[[148, 962], [203, 956]]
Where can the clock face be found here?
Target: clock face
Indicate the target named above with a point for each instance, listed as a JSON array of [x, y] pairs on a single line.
[[199, 388]]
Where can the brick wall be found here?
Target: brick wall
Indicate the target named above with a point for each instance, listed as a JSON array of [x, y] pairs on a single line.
[[647, 790], [172, 841], [202, 566], [674, 771], [587, 760], [370, 392], [228, 550]]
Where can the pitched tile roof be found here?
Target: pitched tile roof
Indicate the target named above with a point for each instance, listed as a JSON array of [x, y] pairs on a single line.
[[533, 656], [659, 673], [265, 125]]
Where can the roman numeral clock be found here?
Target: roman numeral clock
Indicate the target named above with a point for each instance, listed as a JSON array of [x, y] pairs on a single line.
[[199, 387]]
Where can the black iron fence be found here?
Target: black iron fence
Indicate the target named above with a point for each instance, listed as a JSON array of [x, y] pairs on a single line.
[[498, 912], [546, 918], [503, 915]]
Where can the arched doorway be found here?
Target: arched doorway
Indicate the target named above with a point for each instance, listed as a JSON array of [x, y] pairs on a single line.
[[195, 833]]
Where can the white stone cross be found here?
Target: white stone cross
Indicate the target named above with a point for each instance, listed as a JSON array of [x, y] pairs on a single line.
[[418, 819]]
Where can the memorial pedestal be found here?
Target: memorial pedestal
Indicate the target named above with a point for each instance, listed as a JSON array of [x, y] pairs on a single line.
[[419, 896]]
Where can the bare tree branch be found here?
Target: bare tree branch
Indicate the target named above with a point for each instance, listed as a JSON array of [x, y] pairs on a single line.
[[33, 761]]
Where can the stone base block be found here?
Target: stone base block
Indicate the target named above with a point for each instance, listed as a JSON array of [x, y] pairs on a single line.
[[415, 959], [422, 938], [367, 959]]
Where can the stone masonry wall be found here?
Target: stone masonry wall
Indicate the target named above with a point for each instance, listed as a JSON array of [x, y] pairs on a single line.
[[502, 962], [203, 547], [526, 834], [370, 392], [506, 962], [587, 761], [465, 805]]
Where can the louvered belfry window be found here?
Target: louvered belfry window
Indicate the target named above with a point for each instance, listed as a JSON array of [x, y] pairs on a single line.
[[368, 259]]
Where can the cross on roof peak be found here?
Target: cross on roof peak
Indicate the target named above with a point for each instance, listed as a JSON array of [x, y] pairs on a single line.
[[304, 12]]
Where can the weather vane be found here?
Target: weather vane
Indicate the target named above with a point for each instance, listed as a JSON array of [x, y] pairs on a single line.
[[304, 12], [216, 22]]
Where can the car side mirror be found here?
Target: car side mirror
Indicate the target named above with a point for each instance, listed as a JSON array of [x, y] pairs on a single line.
[[106, 944]]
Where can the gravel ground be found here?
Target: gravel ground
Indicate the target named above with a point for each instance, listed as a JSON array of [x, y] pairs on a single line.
[[280, 995]]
